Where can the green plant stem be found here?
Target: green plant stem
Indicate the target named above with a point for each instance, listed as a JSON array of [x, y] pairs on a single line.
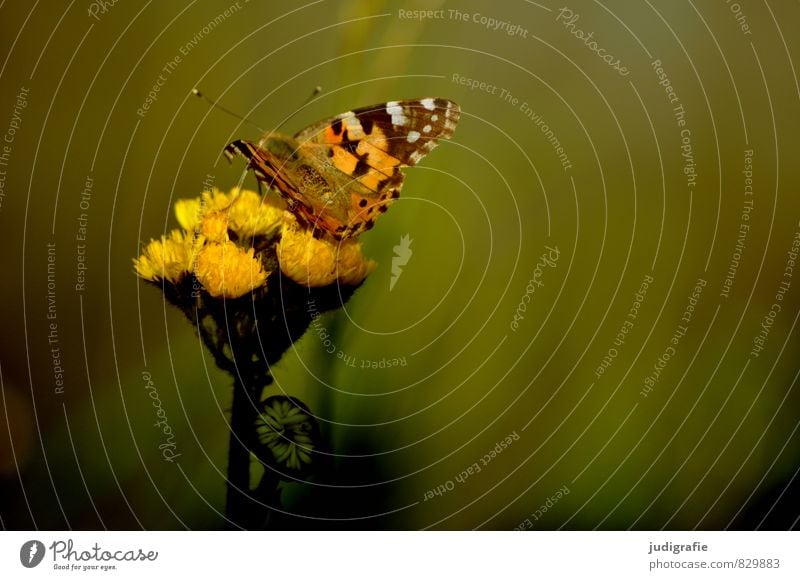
[[245, 508], [239, 502]]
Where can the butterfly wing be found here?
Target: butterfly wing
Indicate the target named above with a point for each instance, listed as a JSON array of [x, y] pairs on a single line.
[[358, 154], [368, 146], [404, 131], [279, 163]]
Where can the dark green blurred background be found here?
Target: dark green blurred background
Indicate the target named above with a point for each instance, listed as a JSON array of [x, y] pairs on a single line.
[[713, 445]]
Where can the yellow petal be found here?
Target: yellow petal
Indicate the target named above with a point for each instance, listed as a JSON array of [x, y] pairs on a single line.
[[314, 263], [226, 270]]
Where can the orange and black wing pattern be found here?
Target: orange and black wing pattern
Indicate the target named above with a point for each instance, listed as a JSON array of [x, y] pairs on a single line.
[[359, 154]]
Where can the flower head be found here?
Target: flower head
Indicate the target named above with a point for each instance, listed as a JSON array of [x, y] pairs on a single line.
[[169, 258], [249, 217], [226, 270], [231, 242], [287, 433], [319, 262]]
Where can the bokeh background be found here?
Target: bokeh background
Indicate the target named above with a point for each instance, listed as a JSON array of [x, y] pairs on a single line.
[[712, 444]]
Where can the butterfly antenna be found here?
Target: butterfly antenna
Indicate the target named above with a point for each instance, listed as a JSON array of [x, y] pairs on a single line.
[[224, 109], [317, 90]]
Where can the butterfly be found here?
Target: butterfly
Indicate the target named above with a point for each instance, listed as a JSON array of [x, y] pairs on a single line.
[[340, 174]]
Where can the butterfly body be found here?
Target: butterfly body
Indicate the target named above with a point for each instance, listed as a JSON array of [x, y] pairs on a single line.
[[340, 174]]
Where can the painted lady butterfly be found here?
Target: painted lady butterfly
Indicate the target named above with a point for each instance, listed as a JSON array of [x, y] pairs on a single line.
[[340, 174]]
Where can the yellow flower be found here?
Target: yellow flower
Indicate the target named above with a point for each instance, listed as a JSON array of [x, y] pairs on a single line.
[[217, 247], [169, 258], [249, 216], [226, 270], [319, 262]]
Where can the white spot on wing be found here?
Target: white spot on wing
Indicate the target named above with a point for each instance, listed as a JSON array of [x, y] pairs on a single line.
[[434, 118], [412, 136], [428, 104], [396, 111], [354, 128], [426, 129]]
